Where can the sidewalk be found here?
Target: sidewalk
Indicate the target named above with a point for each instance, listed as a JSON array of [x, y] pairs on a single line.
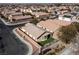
[[28, 44], [12, 24]]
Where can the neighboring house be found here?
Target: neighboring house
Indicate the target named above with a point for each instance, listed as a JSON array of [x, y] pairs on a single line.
[[76, 9], [19, 18], [13, 16], [64, 9], [17, 14], [77, 17], [65, 17], [6, 13], [36, 9], [52, 25], [26, 10], [10, 16], [40, 15]]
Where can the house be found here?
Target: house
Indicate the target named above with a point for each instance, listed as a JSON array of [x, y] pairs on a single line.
[[40, 15], [16, 14], [7, 13], [20, 18], [52, 25], [65, 17], [76, 9], [64, 9], [32, 34], [28, 10]]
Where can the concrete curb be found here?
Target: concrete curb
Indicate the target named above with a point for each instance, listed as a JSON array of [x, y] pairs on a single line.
[[28, 44], [10, 24]]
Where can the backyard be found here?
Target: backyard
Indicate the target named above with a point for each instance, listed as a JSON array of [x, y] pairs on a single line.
[[47, 40]]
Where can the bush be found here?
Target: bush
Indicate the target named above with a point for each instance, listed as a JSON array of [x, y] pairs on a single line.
[[34, 21], [76, 24], [67, 33]]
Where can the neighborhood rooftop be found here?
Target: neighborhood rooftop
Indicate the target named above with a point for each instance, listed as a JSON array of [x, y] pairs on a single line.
[[22, 17], [52, 25], [33, 30]]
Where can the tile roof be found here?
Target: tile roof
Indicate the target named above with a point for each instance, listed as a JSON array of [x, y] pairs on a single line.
[[40, 13], [21, 17], [16, 13], [32, 30], [52, 25], [35, 45]]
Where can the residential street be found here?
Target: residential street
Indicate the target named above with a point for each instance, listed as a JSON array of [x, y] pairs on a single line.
[[10, 44]]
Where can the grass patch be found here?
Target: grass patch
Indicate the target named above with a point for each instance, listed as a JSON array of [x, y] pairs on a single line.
[[46, 41]]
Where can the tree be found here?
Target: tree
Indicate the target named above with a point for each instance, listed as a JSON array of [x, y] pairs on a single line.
[[34, 21], [67, 33], [76, 24]]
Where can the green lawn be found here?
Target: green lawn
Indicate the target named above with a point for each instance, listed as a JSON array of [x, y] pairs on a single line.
[[46, 41]]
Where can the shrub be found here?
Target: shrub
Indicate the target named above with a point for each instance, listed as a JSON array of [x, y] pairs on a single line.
[[76, 24], [67, 33]]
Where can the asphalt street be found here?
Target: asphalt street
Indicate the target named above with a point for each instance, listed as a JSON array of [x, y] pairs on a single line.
[[10, 44]]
